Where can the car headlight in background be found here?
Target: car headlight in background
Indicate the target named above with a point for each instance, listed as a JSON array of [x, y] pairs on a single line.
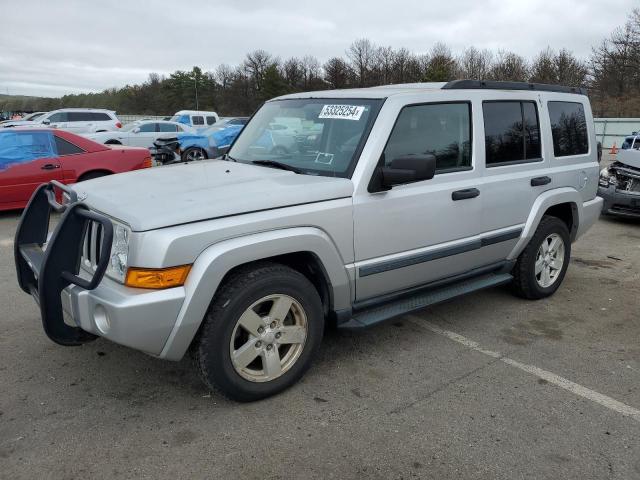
[[606, 178], [118, 262]]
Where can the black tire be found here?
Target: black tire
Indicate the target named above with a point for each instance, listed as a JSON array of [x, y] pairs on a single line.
[[113, 142], [280, 151], [524, 283], [92, 175], [244, 287], [191, 151]]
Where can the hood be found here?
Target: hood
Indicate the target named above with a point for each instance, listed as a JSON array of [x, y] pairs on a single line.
[[629, 157], [190, 192]]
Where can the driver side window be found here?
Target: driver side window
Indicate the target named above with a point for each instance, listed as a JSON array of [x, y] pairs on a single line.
[[148, 127], [439, 129]]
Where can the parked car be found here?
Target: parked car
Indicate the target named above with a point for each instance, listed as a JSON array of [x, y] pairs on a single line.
[[209, 143], [619, 183], [76, 120], [410, 195], [141, 133], [33, 156], [226, 121], [196, 118], [27, 118]]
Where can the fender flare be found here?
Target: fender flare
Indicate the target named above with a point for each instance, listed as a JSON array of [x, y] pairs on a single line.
[[217, 260], [540, 205]]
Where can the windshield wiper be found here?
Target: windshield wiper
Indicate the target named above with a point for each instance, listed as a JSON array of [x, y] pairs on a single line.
[[276, 164], [226, 156]]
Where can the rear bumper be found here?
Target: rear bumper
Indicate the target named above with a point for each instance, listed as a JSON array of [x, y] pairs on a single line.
[[618, 202], [590, 213]]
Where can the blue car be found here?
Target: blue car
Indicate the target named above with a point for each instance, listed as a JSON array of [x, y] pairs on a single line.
[[209, 143]]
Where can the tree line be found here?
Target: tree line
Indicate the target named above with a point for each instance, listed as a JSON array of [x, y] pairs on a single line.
[[611, 74]]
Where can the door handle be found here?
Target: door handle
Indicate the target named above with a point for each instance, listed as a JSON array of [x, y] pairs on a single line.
[[538, 181], [50, 166], [466, 193]]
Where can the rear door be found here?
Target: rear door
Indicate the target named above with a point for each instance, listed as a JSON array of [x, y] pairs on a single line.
[[514, 170], [27, 159]]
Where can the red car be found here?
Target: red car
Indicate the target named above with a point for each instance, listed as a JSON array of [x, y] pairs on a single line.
[[32, 156]]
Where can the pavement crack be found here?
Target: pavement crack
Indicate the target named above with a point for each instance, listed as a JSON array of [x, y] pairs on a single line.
[[441, 387]]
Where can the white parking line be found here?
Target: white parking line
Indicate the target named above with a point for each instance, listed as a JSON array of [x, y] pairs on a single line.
[[584, 392], [6, 242]]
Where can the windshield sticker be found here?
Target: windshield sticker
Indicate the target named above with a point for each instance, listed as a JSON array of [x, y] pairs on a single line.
[[345, 112], [324, 158]]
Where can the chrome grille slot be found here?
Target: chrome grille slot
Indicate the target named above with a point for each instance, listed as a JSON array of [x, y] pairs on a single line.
[[92, 243]]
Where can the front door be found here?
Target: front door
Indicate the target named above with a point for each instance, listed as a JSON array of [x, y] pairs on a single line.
[[27, 159], [425, 231]]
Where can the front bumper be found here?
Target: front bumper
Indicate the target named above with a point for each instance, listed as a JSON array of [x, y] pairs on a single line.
[[136, 318], [620, 202], [76, 306]]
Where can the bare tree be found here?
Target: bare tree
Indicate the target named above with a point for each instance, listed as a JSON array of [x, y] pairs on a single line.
[[509, 66], [361, 55], [440, 65], [475, 64]]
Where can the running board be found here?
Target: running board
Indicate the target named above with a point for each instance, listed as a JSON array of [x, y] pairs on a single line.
[[395, 308]]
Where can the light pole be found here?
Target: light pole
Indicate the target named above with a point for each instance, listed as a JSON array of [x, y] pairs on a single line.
[[195, 81]]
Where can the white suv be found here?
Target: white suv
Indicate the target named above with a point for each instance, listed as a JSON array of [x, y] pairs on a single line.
[[80, 120]]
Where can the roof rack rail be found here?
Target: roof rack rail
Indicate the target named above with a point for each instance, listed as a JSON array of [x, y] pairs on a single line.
[[496, 85]]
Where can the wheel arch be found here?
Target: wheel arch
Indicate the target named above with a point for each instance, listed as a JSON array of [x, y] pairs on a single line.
[[319, 260], [84, 175], [563, 203]]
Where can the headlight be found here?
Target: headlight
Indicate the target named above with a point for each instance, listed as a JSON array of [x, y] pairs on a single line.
[[118, 261], [606, 178]]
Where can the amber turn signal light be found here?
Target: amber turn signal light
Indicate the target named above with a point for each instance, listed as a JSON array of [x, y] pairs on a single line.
[[147, 163], [157, 278]]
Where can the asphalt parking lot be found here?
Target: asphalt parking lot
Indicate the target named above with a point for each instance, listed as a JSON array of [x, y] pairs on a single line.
[[487, 386]]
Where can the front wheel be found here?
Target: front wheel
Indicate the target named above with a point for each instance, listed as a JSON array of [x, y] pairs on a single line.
[[261, 332], [193, 154], [542, 265]]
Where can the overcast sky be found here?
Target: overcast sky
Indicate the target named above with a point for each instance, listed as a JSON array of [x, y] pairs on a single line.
[[57, 47]]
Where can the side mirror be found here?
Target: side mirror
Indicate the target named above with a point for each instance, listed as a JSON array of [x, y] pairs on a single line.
[[136, 130], [46, 121], [407, 169]]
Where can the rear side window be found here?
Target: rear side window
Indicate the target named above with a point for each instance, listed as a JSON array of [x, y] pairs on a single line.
[[440, 129], [211, 120], [511, 132], [100, 116], [79, 117], [197, 120], [66, 148], [568, 128]]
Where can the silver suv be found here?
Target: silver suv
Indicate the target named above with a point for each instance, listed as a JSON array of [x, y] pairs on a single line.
[[393, 199]]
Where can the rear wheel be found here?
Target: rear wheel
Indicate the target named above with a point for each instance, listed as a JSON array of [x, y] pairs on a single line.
[[261, 332], [192, 154], [542, 265], [113, 142]]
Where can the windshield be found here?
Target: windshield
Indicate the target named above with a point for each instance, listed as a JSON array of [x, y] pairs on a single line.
[[32, 116], [318, 136]]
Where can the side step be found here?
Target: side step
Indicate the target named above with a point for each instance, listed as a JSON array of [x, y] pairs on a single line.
[[395, 308]]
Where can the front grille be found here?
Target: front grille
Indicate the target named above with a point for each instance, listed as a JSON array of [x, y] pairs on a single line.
[[92, 243]]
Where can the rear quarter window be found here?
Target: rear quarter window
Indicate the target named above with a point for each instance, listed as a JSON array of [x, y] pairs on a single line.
[[66, 148], [568, 128]]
